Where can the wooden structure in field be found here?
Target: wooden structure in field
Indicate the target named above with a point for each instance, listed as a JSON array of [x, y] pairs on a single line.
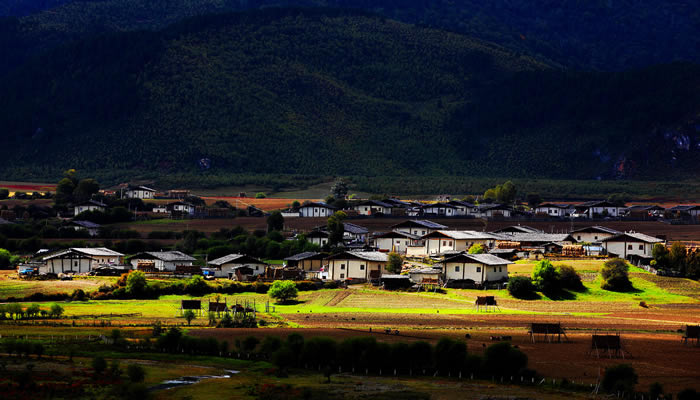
[[573, 250], [191, 305], [691, 332], [549, 332], [218, 307], [485, 302], [610, 345], [429, 284]]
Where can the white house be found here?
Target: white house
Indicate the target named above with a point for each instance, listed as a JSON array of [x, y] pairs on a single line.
[[90, 205], [517, 229], [493, 211], [479, 268], [91, 228], [629, 244], [417, 227], [373, 207], [462, 208], [598, 209], [160, 209], [354, 233], [442, 241], [440, 209], [318, 237], [80, 259], [395, 241], [226, 266], [554, 210], [139, 192], [689, 210], [306, 261], [593, 234], [356, 265], [316, 209], [163, 260], [182, 207]]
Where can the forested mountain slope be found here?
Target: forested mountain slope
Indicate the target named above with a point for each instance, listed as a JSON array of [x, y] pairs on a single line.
[[336, 92]]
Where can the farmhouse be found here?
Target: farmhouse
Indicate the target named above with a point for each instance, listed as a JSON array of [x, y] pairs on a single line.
[[316, 209], [160, 209], [463, 208], [90, 205], [80, 259], [593, 234], [182, 207], [318, 237], [479, 268], [373, 207], [629, 244], [417, 227], [429, 274], [534, 241], [442, 241], [645, 211], [162, 260], [494, 211], [91, 228], [226, 266], [598, 209], [439, 210], [139, 192], [517, 229], [356, 265], [354, 233], [685, 211], [306, 261], [554, 210], [395, 241]]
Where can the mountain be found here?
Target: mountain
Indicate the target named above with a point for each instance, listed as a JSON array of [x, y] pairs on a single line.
[[610, 35], [329, 91]]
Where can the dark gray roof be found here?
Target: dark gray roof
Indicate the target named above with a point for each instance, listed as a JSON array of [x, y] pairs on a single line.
[[363, 255], [424, 223], [645, 207], [165, 256], [438, 205], [375, 203], [356, 229], [397, 234], [87, 224], [517, 228], [596, 228], [683, 207], [303, 256], [396, 202], [486, 207], [536, 237], [487, 259], [92, 203], [318, 204], [632, 237], [555, 205], [237, 258], [595, 203], [140, 188], [461, 203]]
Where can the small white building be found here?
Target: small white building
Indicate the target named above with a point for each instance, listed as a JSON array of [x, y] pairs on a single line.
[[306, 261], [440, 210], [316, 209], [593, 234], [226, 266], [395, 241], [629, 244], [442, 241], [356, 265], [160, 209], [554, 210], [318, 237], [90, 205], [479, 268], [493, 211], [91, 228], [139, 192], [182, 207], [163, 260], [599, 209], [373, 207], [462, 208], [417, 227], [79, 259]]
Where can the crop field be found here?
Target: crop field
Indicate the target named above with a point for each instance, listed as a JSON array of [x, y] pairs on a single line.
[[10, 286]]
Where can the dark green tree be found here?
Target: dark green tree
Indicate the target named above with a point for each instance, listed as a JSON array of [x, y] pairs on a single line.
[[336, 228], [275, 221], [394, 263]]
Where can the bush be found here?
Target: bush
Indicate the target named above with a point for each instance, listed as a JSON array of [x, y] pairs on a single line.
[[545, 277], [477, 249], [99, 364], [619, 378], [569, 278], [136, 373], [136, 283], [521, 287], [615, 276], [502, 359], [283, 291]]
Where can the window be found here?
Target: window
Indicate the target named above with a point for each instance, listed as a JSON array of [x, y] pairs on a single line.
[[449, 243], [629, 247], [342, 266], [444, 242], [362, 267], [578, 237], [500, 269], [342, 276], [422, 231], [75, 264], [457, 268], [641, 247], [494, 269]]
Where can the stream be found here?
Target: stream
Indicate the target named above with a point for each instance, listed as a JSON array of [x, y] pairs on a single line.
[[189, 380]]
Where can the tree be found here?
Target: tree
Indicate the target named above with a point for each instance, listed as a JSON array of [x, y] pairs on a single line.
[[655, 390], [136, 283], [85, 189], [618, 199], [4, 194], [661, 256], [504, 359], [477, 249], [545, 277], [5, 258], [136, 373], [533, 200], [615, 275], [521, 287], [283, 291], [275, 222], [394, 263], [64, 191], [296, 205], [619, 378], [504, 193], [260, 195], [339, 190], [336, 228], [189, 316], [677, 257], [99, 364], [569, 278]]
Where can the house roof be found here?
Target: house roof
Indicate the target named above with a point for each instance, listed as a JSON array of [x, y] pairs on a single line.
[[645, 207], [374, 203], [85, 252], [355, 229], [165, 256], [595, 203], [130, 187], [362, 255], [517, 228], [305, 256], [461, 235], [318, 204], [396, 202], [92, 203], [486, 259], [503, 251], [683, 207], [396, 234], [87, 224], [600, 229], [237, 258], [317, 233], [554, 205], [487, 207], [425, 271], [538, 237], [632, 237], [419, 223], [438, 205], [460, 203]]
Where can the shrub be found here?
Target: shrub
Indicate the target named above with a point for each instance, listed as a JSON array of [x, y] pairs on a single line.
[[521, 287], [615, 276], [283, 291], [501, 359], [99, 364], [136, 283], [330, 285], [619, 378], [569, 278], [545, 277], [477, 249], [78, 295], [136, 373], [394, 263], [189, 316]]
